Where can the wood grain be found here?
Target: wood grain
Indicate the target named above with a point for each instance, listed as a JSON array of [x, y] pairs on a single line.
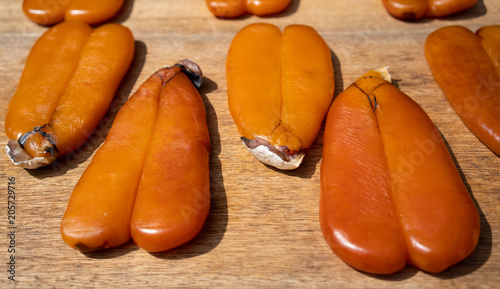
[[263, 227]]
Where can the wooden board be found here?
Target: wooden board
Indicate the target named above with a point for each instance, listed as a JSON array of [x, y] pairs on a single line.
[[263, 228]]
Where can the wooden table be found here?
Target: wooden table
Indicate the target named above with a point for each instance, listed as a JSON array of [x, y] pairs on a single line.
[[263, 228]]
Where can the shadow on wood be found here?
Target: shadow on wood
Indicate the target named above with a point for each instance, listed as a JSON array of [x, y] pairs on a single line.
[[125, 12]]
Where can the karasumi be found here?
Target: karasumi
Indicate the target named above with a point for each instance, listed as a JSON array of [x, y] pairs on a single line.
[[410, 10], [150, 178], [69, 80], [280, 86], [237, 8], [466, 66], [50, 12], [390, 191]]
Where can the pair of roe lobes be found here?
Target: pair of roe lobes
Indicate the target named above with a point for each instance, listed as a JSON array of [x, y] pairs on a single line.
[[280, 86], [150, 178], [50, 12], [237, 8], [466, 66], [70, 78], [390, 192]]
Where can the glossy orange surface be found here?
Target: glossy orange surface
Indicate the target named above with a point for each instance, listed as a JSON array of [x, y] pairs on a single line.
[[358, 217], [490, 39], [237, 8], [49, 12], [280, 85], [69, 81], [173, 198], [150, 178], [92, 11], [45, 12], [468, 77], [390, 192], [266, 7], [48, 68], [227, 8], [417, 9], [100, 207], [103, 63], [254, 80]]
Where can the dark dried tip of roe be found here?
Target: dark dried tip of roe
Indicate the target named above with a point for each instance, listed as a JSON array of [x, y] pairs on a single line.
[[192, 70]]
